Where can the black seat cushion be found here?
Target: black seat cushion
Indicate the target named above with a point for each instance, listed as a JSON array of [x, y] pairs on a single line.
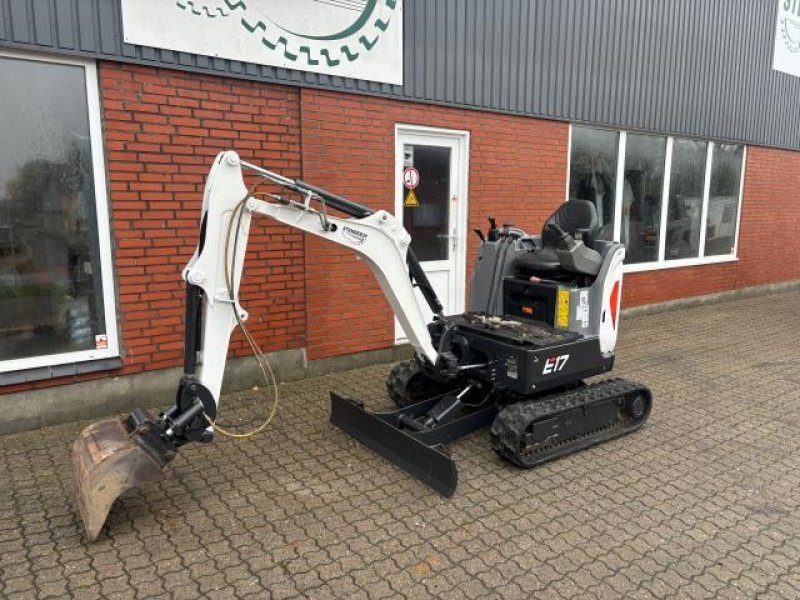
[[571, 216], [538, 262]]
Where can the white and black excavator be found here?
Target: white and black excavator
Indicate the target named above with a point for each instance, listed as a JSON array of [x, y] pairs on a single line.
[[543, 316]]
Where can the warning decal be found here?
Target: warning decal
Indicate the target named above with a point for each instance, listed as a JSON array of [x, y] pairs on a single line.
[[562, 309], [411, 199], [410, 178]]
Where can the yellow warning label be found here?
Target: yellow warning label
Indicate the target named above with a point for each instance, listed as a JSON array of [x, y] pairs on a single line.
[[562, 310], [411, 199]]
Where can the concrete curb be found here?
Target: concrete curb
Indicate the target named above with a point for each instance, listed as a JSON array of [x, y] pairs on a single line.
[[112, 395]]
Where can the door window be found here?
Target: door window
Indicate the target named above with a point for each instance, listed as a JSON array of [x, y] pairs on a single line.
[[426, 214], [53, 302]]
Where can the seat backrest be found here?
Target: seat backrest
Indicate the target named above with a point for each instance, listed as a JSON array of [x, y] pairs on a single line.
[[571, 216]]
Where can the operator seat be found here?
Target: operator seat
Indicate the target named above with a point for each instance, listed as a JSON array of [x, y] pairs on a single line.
[[575, 217]]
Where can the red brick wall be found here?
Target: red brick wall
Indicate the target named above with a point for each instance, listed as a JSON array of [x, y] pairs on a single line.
[[517, 172], [770, 222], [163, 129]]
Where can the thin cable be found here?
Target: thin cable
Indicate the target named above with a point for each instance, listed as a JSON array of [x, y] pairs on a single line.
[[258, 354]]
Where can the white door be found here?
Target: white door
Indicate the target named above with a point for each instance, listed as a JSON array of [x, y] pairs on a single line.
[[431, 202]]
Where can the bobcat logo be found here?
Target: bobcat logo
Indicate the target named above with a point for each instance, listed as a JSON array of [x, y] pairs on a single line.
[[350, 29]]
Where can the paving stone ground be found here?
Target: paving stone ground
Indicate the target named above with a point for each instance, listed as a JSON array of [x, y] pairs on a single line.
[[701, 503]]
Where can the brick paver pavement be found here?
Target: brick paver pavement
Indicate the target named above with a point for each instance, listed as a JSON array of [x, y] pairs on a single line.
[[701, 503]]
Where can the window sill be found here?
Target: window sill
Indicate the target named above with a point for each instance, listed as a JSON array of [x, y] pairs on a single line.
[[676, 264], [52, 372]]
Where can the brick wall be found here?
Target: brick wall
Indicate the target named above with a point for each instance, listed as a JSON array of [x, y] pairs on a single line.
[[163, 129], [517, 172]]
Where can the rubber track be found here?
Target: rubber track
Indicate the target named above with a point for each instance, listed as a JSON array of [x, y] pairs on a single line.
[[515, 421]]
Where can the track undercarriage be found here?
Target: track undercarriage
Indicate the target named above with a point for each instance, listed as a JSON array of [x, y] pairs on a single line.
[[559, 414]]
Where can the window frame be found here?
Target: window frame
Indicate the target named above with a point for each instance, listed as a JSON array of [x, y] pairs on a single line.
[[663, 263], [103, 223]]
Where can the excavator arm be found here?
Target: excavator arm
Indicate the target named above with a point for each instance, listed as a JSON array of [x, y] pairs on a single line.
[[216, 267], [115, 455]]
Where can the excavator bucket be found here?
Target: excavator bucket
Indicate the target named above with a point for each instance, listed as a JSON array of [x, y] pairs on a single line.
[[111, 457]]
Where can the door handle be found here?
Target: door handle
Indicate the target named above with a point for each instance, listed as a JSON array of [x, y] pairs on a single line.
[[451, 236]]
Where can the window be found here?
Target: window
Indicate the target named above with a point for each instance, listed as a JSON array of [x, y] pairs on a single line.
[[671, 201], [56, 286], [723, 199], [687, 177], [593, 172], [428, 223], [641, 197]]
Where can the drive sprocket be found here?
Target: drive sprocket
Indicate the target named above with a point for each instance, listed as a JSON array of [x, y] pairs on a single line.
[[408, 384]]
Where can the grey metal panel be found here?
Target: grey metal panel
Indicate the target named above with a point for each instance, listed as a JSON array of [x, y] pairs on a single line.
[[690, 67]]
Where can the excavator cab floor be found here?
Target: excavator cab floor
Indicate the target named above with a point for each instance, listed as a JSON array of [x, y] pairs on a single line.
[[111, 457]]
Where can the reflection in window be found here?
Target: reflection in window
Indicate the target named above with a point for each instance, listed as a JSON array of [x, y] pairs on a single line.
[[641, 197], [638, 200], [687, 177], [593, 171], [723, 199], [51, 299]]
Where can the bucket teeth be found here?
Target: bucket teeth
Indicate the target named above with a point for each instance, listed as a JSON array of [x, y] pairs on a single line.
[[111, 457]]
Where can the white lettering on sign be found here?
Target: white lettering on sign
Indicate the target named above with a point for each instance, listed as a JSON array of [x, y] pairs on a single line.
[[362, 39], [786, 57], [410, 178]]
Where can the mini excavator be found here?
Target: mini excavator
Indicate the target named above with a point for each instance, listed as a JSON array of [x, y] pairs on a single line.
[[543, 316]]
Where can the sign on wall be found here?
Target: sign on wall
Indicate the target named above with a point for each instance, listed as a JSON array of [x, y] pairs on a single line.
[[362, 39], [787, 38]]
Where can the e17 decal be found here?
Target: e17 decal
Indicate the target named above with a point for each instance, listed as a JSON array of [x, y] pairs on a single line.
[[554, 364]]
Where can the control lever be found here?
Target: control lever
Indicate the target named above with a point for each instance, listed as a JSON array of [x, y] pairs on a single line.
[[565, 240], [494, 233]]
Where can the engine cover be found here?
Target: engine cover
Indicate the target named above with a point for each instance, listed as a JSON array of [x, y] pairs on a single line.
[[528, 357]]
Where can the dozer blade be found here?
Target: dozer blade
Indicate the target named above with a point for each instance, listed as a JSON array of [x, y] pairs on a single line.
[[420, 452], [379, 432], [111, 457]]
